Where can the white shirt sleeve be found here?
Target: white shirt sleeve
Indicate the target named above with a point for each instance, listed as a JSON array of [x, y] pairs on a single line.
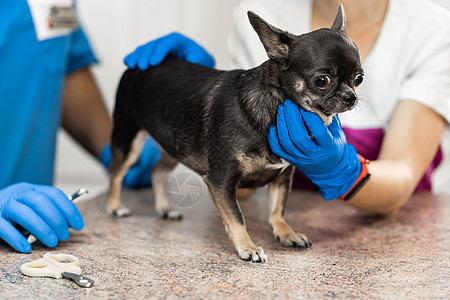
[[428, 80], [245, 47]]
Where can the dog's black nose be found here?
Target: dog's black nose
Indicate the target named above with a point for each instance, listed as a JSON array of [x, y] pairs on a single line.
[[349, 97]]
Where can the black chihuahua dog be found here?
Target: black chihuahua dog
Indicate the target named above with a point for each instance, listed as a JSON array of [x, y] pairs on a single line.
[[216, 122]]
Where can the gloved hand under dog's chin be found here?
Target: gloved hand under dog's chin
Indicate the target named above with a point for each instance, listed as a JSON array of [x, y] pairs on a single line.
[[320, 152], [139, 174], [154, 52]]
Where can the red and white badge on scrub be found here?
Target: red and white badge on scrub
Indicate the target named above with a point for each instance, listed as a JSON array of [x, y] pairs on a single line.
[[52, 18]]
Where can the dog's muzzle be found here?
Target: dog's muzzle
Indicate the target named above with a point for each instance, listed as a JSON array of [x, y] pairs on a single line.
[[349, 98]]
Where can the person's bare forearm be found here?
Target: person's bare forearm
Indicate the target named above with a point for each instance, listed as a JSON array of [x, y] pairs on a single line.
[[390, 186], [84, 114], [408, 148]]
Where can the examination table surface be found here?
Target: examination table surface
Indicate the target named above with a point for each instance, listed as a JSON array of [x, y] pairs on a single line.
[[354, 254]]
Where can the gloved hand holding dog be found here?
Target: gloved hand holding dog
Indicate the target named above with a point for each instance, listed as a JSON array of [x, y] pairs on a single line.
[[320, 152], [139, 174], [153, 53], [43, 211]]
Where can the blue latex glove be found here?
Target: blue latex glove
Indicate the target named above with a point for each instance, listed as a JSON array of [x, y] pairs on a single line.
[[327, 160], [175, 44], [44, 211], [139, 174]]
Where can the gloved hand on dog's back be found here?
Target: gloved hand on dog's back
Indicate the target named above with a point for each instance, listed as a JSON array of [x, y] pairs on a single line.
[[326, 159], [154, 52], [139, 174], [43, 211]]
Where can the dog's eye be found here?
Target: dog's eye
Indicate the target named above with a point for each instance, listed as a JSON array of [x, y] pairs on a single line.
[[322, 81], [359, 79]]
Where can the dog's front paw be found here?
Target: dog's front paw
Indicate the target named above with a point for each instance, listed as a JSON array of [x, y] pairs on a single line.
[[288, 237], [119, 212], [170, 214], [255, 254], [294, 239]]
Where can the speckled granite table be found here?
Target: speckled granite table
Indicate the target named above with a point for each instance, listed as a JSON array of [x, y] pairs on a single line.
[[354, 255]]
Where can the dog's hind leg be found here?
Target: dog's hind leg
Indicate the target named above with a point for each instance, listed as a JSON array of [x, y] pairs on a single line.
[[159, 174], [126, 146], [224, 197], [279, 189]]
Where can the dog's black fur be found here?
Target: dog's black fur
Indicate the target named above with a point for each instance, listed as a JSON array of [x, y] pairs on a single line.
[[216, 122]]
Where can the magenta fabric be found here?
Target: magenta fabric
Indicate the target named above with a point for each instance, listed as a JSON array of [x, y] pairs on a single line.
[[367, 142]]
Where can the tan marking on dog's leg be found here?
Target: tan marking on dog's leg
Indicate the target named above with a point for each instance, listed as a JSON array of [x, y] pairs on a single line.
[[159, 174], [244, 193], [279, 190], [235, 226], [114, 205]]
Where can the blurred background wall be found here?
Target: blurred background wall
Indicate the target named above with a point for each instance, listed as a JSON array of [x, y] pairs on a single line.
[[115, 28]]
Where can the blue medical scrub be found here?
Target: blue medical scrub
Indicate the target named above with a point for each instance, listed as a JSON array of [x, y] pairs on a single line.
[[31, 82]]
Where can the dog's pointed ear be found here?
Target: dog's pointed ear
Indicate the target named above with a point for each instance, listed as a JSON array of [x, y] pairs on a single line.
[[275, 41], [339, 21]]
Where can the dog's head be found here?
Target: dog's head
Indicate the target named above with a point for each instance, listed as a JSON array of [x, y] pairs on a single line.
[[318, 70]]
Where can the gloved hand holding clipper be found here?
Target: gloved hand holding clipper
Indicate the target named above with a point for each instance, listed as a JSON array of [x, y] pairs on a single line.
[[44, 211], [320, 152]]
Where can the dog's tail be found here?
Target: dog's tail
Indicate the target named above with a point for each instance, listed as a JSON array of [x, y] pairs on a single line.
[[125, 126]]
